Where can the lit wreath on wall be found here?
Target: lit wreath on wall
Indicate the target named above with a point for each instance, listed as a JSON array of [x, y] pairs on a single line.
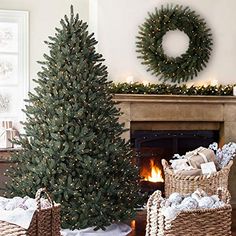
[[150, 49]]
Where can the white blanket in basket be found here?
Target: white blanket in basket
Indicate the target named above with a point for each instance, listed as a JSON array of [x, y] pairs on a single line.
[[19, 211], [18, 216], [112, 230]]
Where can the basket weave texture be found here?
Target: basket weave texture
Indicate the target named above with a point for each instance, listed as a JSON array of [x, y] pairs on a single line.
[[188, 184], [197, 222], [45, 222]]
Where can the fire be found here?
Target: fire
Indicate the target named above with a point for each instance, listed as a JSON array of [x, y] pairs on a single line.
[[155, 174]]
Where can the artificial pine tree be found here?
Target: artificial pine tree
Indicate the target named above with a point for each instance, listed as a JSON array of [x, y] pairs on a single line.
[[72, 145]]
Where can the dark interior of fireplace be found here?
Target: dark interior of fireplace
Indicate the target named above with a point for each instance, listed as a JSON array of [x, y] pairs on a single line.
[[149, 147]]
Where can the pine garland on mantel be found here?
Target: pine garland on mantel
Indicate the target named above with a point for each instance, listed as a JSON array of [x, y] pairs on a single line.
[[168, 89]]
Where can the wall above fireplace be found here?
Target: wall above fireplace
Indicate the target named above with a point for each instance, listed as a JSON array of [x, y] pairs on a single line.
[[171, 112]]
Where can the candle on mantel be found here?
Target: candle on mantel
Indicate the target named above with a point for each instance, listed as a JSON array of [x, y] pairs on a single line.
[[214, 82], [130, 79], [234, 90], [145, 82]]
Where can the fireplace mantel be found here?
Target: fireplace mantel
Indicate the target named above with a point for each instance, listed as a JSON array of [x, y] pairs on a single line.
[[176, 98], [176, 112], [216, 111]]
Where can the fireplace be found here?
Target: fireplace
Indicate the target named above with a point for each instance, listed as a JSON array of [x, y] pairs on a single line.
[[150, 146], [181, 113]]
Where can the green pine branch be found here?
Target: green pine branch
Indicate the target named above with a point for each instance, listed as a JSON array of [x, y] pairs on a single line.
[[169, 89]]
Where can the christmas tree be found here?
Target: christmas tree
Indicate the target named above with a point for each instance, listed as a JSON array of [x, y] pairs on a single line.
[[72, 143]]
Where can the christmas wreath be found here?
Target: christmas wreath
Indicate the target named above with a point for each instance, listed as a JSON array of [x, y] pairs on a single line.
[[150, 49]]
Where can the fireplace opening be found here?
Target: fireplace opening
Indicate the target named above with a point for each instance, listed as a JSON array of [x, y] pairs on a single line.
[[149, 147]]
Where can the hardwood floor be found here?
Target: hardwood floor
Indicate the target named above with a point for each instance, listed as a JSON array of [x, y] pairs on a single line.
[[138, 225]]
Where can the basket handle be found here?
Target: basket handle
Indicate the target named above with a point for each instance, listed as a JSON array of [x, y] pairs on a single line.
[[230, 164], [153, 206], [38, 197], [164, 163], [224, 195]]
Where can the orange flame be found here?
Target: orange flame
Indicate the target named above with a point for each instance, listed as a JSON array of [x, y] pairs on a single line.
[[133, 224], [154, 175]]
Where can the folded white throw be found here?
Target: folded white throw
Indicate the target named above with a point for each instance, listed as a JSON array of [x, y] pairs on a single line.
[[19, 211], [18, 216]]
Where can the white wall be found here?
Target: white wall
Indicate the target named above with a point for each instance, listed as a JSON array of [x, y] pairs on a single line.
[[44, 16], [117, 28]]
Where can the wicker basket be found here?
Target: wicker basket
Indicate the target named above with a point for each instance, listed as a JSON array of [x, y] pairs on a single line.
[[45, 222], [198, 222], [188, 184]]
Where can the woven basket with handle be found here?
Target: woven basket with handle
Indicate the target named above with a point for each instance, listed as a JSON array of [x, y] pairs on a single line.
[[197, 222], [45, 222], [188, 184]]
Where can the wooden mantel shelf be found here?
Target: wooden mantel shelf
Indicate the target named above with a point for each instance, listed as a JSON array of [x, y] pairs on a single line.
[[174, 98], [177, 108]]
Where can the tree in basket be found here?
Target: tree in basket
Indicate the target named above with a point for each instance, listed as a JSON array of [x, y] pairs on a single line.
[[72, 144]]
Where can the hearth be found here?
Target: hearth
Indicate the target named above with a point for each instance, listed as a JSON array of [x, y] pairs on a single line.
[[150, 146]]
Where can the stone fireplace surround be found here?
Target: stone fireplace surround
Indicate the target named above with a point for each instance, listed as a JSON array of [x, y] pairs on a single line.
[[179, 112]]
